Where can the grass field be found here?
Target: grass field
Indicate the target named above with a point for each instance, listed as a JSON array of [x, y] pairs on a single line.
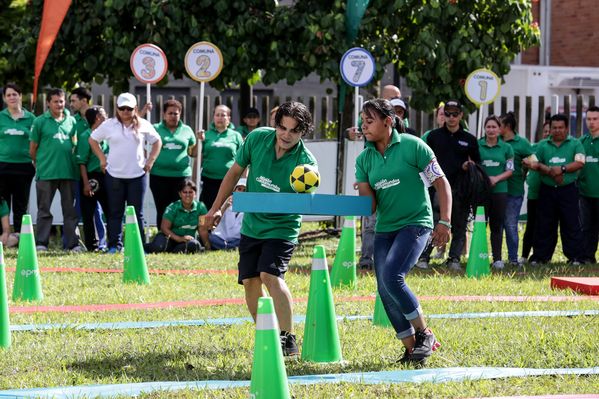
[[73, 357]]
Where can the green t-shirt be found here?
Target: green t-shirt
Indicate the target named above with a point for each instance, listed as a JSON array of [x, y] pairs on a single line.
[[589, 175], [4, 211], [184, 222], [495, 160], [243, 130], [522, 149], [81, 124], [533, 178], [551, 155], [401, 197], [267, 174], [173, 160], [218, 152], [56, 141], [84, 154], [14, 137]]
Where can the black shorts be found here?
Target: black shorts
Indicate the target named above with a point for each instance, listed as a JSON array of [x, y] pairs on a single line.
[[269, 255]]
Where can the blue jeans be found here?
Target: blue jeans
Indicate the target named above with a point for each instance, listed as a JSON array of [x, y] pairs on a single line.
[[510, 224], [218, 243], [123, 192], [395, 254]]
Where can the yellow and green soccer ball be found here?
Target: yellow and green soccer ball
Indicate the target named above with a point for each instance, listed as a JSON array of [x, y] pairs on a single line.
[[304, 179]]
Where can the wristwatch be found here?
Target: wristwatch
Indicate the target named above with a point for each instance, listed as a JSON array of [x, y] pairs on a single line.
[[563, 169]]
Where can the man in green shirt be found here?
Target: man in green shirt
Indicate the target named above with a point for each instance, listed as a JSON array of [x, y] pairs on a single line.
[[268, 240], [558, 161], [51, 149], [79, 102], [589, 187]]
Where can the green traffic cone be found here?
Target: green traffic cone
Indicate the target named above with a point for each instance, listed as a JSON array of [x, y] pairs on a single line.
[[321, 337], [4, 319], [344, 265], [135, 269], [269, 377], [380, 318], [478, 258], [28, 285]]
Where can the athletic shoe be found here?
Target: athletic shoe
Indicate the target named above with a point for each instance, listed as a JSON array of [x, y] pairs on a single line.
[[289, 344], [425, 345], [366, 264], [77, 249], [41, 248], [498, 264], [516, 263], [113, 250], [454, 264], [422, 264]]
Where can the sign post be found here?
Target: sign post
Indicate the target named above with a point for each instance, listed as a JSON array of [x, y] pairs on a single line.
[[482, 87], [357, 69], [203, 63], [149, 65]]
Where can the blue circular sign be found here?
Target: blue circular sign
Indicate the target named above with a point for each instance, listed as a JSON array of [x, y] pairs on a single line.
[[357, 67]]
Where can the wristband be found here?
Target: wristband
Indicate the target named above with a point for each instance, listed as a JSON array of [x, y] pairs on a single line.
[[444, 223], [563, 169]]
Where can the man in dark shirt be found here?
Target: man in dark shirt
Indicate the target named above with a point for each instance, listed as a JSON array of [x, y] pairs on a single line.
[[455, 149]]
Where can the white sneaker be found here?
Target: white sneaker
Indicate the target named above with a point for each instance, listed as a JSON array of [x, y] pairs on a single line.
[[41, 248], [498, 264], [422, 264]]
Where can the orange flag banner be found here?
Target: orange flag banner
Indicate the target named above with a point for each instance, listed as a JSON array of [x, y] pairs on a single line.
[[52, 17]]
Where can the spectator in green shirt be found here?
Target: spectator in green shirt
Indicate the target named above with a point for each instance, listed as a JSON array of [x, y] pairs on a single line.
[[250, 121], [16, 168], [173, 165], [51, 148], [180, 224], [498, 162], [589, 187], [558, 161]]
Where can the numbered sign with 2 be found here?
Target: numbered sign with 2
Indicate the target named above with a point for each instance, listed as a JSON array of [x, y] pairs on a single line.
[[148, 63], [203, 62], [482, 86], [357, 67]]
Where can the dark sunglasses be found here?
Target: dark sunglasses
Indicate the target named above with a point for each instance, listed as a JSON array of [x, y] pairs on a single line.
[[454, 114], [125, 109]]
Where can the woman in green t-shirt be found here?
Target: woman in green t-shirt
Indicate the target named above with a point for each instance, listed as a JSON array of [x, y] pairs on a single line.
[[180, 224], [395, 170], [498, 162], [16, 168]]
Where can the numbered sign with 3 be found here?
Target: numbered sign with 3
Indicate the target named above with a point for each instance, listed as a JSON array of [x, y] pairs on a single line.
[[482, 86], [148, 63], [203, 62], [357, 67]]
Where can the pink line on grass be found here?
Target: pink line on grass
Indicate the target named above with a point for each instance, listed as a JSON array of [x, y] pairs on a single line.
[[152, 271], [240, 301]]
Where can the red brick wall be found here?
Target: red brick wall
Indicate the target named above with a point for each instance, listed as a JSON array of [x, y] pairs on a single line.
[[575, 33], [531, 56]]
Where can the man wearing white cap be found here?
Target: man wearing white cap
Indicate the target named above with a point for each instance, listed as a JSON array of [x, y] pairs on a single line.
[[126, 166]]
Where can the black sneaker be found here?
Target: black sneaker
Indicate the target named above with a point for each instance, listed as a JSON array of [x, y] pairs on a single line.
[[426, 344], [289, 344]]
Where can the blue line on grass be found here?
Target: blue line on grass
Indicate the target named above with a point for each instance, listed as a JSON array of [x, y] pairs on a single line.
[[441, 375], [296, 319]]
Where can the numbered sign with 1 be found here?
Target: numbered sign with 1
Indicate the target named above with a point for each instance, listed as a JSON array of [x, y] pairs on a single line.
[[148, 63], [482, 86], [203, 62], [357, 67]]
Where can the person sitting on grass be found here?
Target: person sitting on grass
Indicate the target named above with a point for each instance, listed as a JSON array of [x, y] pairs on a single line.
[[7, 238], [179, 225], [227, 233]]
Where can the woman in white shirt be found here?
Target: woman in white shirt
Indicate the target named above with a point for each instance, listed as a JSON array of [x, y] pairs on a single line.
[[126, 165]]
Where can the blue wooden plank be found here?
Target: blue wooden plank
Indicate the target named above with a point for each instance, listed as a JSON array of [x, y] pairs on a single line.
[[303, 204]]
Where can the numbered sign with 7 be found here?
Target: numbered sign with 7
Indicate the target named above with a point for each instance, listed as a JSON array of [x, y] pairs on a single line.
[[482, 86], [148, 63], [203, 62], [357, 67]]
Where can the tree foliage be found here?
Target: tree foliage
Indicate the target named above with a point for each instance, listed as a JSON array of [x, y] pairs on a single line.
[[433, 43]]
